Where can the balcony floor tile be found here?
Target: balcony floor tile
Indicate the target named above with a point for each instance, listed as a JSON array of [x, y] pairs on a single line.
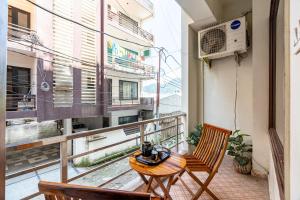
[[227, 185]]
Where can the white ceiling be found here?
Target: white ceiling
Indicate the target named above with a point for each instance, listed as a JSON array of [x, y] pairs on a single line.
[[199, 11], [196, 9], [206, 12]]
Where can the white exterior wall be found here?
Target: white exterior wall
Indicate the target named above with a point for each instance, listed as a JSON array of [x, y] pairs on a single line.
[[260, 65], [123, 113], [83, 145], [189, 74], [219, 83], [292, 150], [252, 98]]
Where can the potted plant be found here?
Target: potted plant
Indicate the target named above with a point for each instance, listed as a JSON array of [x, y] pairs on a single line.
[[241, 152], [194, 137]]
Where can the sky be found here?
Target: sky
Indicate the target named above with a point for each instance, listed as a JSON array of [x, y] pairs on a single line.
[[166, 27]]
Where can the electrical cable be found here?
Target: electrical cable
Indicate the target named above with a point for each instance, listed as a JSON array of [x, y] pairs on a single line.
[[82, 25], [87, 27], [236, 98]]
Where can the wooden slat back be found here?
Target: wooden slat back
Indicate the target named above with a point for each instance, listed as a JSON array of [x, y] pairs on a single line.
[[61, 191], [212, 145]]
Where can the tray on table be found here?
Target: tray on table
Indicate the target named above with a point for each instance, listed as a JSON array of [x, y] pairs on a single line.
[[165, 154]]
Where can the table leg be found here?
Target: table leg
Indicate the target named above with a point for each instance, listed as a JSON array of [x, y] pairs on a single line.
[[170, 182], [143, 178], [149, 184], [164, 189]]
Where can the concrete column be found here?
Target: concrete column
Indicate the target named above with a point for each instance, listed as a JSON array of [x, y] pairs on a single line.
[[260, 63], [192, 76], [3, 69], [67, 126]]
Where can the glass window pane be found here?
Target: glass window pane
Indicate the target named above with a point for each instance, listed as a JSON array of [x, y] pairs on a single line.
[[23, 19], [128, 90]]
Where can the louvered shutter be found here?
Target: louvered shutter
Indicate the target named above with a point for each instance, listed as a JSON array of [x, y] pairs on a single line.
[[88, 52], [62, 42]]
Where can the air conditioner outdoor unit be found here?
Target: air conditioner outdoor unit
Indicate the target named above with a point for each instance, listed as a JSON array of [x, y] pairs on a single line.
[[223, 40]]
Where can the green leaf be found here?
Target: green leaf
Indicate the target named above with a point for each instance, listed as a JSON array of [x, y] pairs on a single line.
[[230, 148], [231, 153], [244, 135]]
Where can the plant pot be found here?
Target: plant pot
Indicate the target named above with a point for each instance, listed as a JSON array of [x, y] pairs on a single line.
[[242, 169]]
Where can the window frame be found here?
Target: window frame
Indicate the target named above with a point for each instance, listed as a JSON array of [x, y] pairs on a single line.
[[14, 70], [121, 93], [131, 117], [14, 16]]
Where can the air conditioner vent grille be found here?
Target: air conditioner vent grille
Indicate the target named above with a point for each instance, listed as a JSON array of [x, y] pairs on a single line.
[[213, 41]]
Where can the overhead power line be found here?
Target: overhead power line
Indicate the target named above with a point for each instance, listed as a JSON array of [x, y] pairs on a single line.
[[87, 27], [107, 34]]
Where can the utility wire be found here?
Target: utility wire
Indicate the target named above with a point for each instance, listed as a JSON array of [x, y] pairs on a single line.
[[98, 31], [87, 27]]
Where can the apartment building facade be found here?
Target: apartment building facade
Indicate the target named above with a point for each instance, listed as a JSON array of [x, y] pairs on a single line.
[[126, 69], [54, 67]]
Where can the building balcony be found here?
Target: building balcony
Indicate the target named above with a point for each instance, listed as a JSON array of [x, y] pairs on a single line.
[[142, 103], [20, 106], [126, 65], [120, 21], [143, 9], [147, 4], [21, 39], [18, 102], [114, 171]]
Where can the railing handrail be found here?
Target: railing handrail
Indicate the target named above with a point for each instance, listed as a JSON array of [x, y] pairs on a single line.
[[65, 158], [147, 70], [110, 55], [18, 27], [64, 138], [115, 17]]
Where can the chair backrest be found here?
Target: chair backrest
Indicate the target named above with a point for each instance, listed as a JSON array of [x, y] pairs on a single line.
[[61, 191], [212, 146]]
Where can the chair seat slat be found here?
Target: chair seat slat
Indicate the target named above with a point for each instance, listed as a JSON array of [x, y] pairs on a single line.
[[207, 156]]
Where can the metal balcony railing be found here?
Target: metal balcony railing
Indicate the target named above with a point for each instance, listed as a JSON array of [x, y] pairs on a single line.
[[20, 33], [116, 101], [125, 23], [176, 138], [19, 102], [123, 64]]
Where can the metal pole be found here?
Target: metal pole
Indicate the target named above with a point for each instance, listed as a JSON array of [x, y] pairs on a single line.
[[177, 134], [158, 85], [142, 134], [102, 88], [64, 162], [3, 68]]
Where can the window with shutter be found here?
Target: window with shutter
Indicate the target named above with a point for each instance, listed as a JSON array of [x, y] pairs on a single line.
[[63, 42], [88, 52]]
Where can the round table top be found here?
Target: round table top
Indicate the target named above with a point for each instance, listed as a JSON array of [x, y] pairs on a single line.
[[173, 165]]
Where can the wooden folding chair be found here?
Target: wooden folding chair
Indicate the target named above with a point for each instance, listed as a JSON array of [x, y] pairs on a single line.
[[207, 157], [61, 191]]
